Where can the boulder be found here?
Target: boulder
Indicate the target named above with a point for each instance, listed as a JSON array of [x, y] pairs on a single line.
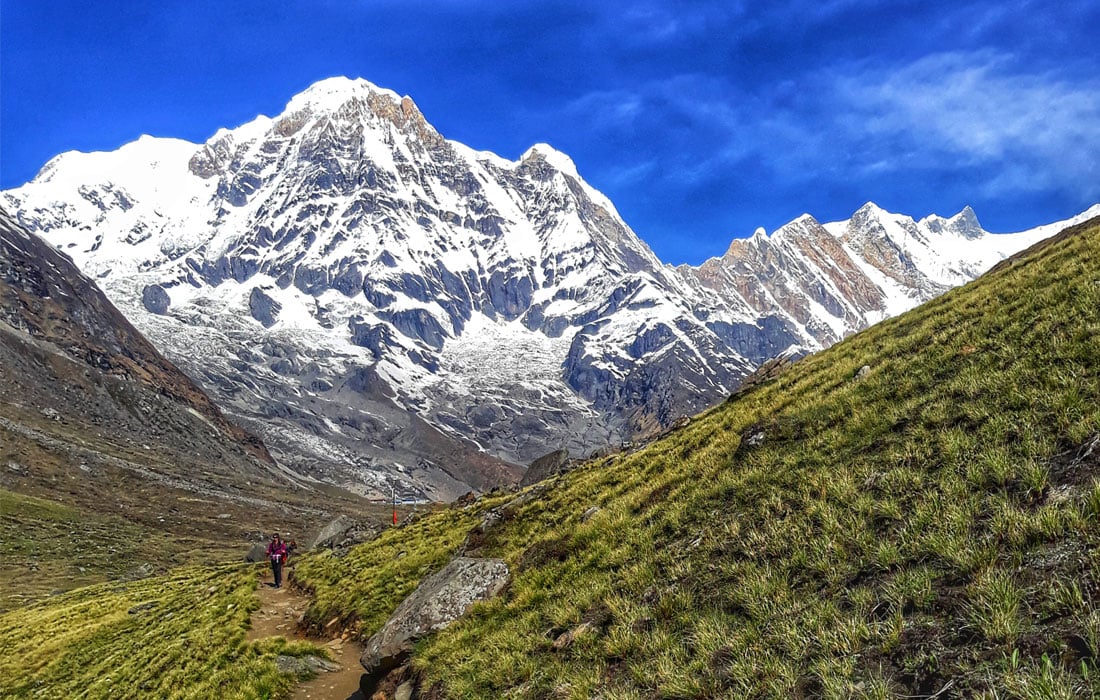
[[546, 466], [439, 600], [333, 532], [257, 552], [343, 532], [155, 299]]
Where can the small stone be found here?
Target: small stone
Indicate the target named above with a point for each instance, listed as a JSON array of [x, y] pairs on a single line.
[[141, 607], [566, 640]]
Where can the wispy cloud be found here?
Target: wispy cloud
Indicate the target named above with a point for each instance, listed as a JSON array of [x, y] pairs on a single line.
[[947, 112], [976, 110]]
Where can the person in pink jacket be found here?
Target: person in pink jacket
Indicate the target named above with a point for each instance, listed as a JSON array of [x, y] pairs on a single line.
[[276, 553]]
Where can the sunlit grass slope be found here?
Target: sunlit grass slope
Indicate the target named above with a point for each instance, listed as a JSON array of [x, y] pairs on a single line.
[[928, 526], [177, 636]]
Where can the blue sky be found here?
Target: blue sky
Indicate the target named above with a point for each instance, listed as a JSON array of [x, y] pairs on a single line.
[[700, 120]]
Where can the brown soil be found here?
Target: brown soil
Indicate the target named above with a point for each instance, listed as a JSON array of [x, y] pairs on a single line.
[[280, 610]]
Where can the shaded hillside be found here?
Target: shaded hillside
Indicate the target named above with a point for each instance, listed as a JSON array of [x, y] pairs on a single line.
[[44, 295], [923, 527], [137, 467]]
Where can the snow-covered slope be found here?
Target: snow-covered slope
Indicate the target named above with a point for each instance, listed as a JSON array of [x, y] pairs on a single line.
[[381, 303], [830, 280]]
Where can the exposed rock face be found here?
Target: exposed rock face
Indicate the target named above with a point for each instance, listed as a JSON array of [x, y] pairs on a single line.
[[440, 600], [822, 282], [389, 307], [262, 307]]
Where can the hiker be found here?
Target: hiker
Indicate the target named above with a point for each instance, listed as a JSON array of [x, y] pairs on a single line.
[[276, 552]]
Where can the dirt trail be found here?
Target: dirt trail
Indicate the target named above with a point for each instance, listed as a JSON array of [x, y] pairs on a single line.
[[280, 609]]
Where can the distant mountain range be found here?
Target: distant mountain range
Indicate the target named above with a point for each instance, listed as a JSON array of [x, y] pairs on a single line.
[[390, 308]]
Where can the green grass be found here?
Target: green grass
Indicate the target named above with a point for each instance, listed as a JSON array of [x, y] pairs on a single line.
[[890, 536], [50, 547], [177, 636]]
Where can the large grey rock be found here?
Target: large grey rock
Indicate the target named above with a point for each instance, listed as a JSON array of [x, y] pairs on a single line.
[[545, 467], [331, 533], [155, 299], [257, 552], [344, 532], [440, 600]]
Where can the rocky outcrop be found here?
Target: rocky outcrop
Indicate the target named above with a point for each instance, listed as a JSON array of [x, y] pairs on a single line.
[[440, 600], [263, 308], [155, 299], [256, 553]]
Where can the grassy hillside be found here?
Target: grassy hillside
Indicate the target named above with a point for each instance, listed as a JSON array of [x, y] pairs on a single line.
[[928, 526], [178, 636], [925, 527], [49, 546]]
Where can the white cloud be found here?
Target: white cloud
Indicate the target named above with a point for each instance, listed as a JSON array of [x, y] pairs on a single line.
[[948, 115], [973, 109]]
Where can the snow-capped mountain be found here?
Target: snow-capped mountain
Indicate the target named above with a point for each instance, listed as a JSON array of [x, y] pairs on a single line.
[[346, 280], [382, 303], [831, 280]]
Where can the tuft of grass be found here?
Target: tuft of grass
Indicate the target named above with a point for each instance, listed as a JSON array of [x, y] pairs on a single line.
[[994, 606]]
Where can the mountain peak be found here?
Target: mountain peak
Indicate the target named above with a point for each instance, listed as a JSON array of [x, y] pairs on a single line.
[[551, 155], [966, 221], [964, 224], [345, 98], [868, 210], [331, 93]]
